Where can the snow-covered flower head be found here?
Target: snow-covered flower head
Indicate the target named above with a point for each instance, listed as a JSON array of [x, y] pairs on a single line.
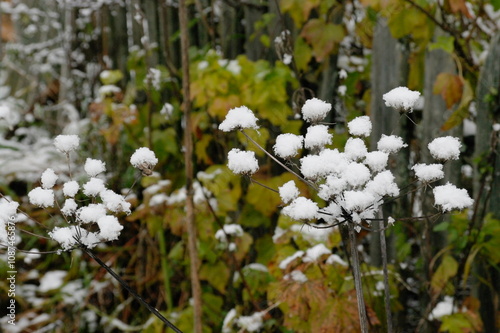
[[48, 179], [390, 144], [144, 159], [41, 197], [239, 118], [315, 110], [445, 148], [66, 143], [288, 145], [360, 126], [317, 137], [401, 99], [242, 162], [448, 197], [94, 167]]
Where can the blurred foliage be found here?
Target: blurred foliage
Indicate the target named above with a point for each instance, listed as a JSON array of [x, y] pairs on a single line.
[[134, 100]]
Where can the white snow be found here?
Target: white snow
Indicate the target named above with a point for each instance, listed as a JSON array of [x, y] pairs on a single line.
[[335, 258], [317, 137], [66, 143], [383, 184], [285, 262], [41, 197], [239, 118], [64, 236], [449, 197], [443, 308], [445, 148], [301, 208], [296, 276], [69, 207], [143, 158], [356, 174], [70, 188], [288, 191], [315, 252], [48, 179], [242, 162], [228, 320], [332, 187], [94, 167], [257, 267], [360, 126], [52, 280], [93, 187], [109, 227], [328, 162], [91, 213], [114, 202], [234, 230], [251, 323], [288, 145], [428, 172], [355, 149], [390, 143], [401, 99], [358, 201], [315, 110], [376, 160]]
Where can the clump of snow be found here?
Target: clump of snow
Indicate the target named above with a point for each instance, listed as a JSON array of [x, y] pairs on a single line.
[[41, 197], [144, 159], [52, 280], [296, 276], [288, 191], [428, 172], [390, 143], [288, 145], [356, 174], [332, 187], [70, 188], [360, 126], [285, 262], [109, 227], [315, 110], [301, 209], [66, 143], [317, 137], [401, 99], [93, 187], [234, 230], [49, 179], [64, 236], [239, 118], [114, 202], [358, 201], [7, 209], [251, 323], [376, 160], [355, 149], [383, 184], [91, 213], [94, 167], [315, 252], [449, 197], [69, 207], [445, 148], [242, 162], [443, 308], [335, 259]]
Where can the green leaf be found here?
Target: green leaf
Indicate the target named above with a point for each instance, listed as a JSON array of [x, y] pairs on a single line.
[[216, 274], [444, 43], [323, 37], [298, 9], [111, 76], [302, 54], [446, 270]]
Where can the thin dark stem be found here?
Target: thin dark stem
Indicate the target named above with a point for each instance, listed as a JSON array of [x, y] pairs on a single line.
[[264, 186], [130, 290], [363, 319], [278, 161], [383, 251]]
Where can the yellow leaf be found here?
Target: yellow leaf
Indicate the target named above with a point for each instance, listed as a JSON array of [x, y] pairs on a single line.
[[323, 37], [446, 270]]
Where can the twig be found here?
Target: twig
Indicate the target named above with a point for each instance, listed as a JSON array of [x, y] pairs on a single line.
[[387, 299], [363, 319], [124, 284]]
